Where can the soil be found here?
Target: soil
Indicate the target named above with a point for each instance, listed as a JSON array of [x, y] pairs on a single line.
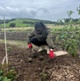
[[41, 68]]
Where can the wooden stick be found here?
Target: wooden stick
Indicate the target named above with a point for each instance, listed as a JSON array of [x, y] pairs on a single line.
[[60, 53], [5, 59], [5, 42]]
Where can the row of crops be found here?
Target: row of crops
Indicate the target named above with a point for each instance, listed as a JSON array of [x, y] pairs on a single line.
[[68, 38]]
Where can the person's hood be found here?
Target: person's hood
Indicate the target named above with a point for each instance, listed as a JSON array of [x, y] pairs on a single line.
[[39, 27]]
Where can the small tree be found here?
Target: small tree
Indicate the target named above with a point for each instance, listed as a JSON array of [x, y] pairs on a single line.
[[70, 13], [12, 25], [78, 9]]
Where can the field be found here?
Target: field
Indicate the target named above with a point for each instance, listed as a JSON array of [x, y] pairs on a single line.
[[42, 68], [21, 22]]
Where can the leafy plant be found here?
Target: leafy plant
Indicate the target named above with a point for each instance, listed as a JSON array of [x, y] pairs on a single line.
[[70, 13], [9, 76], [44, 75], [9, 49], [68, 39], [78, 9]]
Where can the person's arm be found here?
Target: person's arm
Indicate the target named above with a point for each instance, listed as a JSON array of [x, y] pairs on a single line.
[[30, 35], [49, 40]]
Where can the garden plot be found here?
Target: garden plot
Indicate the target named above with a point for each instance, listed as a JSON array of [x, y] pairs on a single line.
[[42, 68]]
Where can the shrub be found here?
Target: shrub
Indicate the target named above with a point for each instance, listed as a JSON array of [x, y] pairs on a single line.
[[12, 25], [9, 76]]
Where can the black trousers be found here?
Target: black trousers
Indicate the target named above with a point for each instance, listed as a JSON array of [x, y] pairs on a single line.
[[37, 42]]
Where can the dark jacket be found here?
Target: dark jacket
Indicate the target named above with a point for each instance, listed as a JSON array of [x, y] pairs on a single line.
[[45, 34]]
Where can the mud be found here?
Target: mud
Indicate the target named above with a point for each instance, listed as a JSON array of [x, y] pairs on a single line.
[[41, 68]]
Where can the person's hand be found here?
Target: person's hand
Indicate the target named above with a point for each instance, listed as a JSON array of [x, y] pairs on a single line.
[[30, 45], [51, 53]]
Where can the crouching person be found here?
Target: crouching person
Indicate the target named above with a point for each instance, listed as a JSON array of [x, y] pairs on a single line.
[[42, 38]]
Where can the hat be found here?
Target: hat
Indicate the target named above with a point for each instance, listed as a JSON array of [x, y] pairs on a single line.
[[39, 25]]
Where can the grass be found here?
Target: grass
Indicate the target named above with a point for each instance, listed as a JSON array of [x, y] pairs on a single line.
[[21, 44], [51, 26], [18, 29], [20, 22]]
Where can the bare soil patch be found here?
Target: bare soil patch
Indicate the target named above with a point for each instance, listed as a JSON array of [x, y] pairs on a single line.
[[42, 68]]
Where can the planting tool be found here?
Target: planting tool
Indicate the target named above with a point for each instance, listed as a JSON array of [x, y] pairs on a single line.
[[56, 53], [60, 53]]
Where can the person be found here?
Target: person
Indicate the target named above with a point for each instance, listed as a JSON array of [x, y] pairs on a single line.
[[41, 36]]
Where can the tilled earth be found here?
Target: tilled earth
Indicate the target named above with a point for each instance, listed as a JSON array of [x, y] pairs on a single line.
[[41, 68]]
